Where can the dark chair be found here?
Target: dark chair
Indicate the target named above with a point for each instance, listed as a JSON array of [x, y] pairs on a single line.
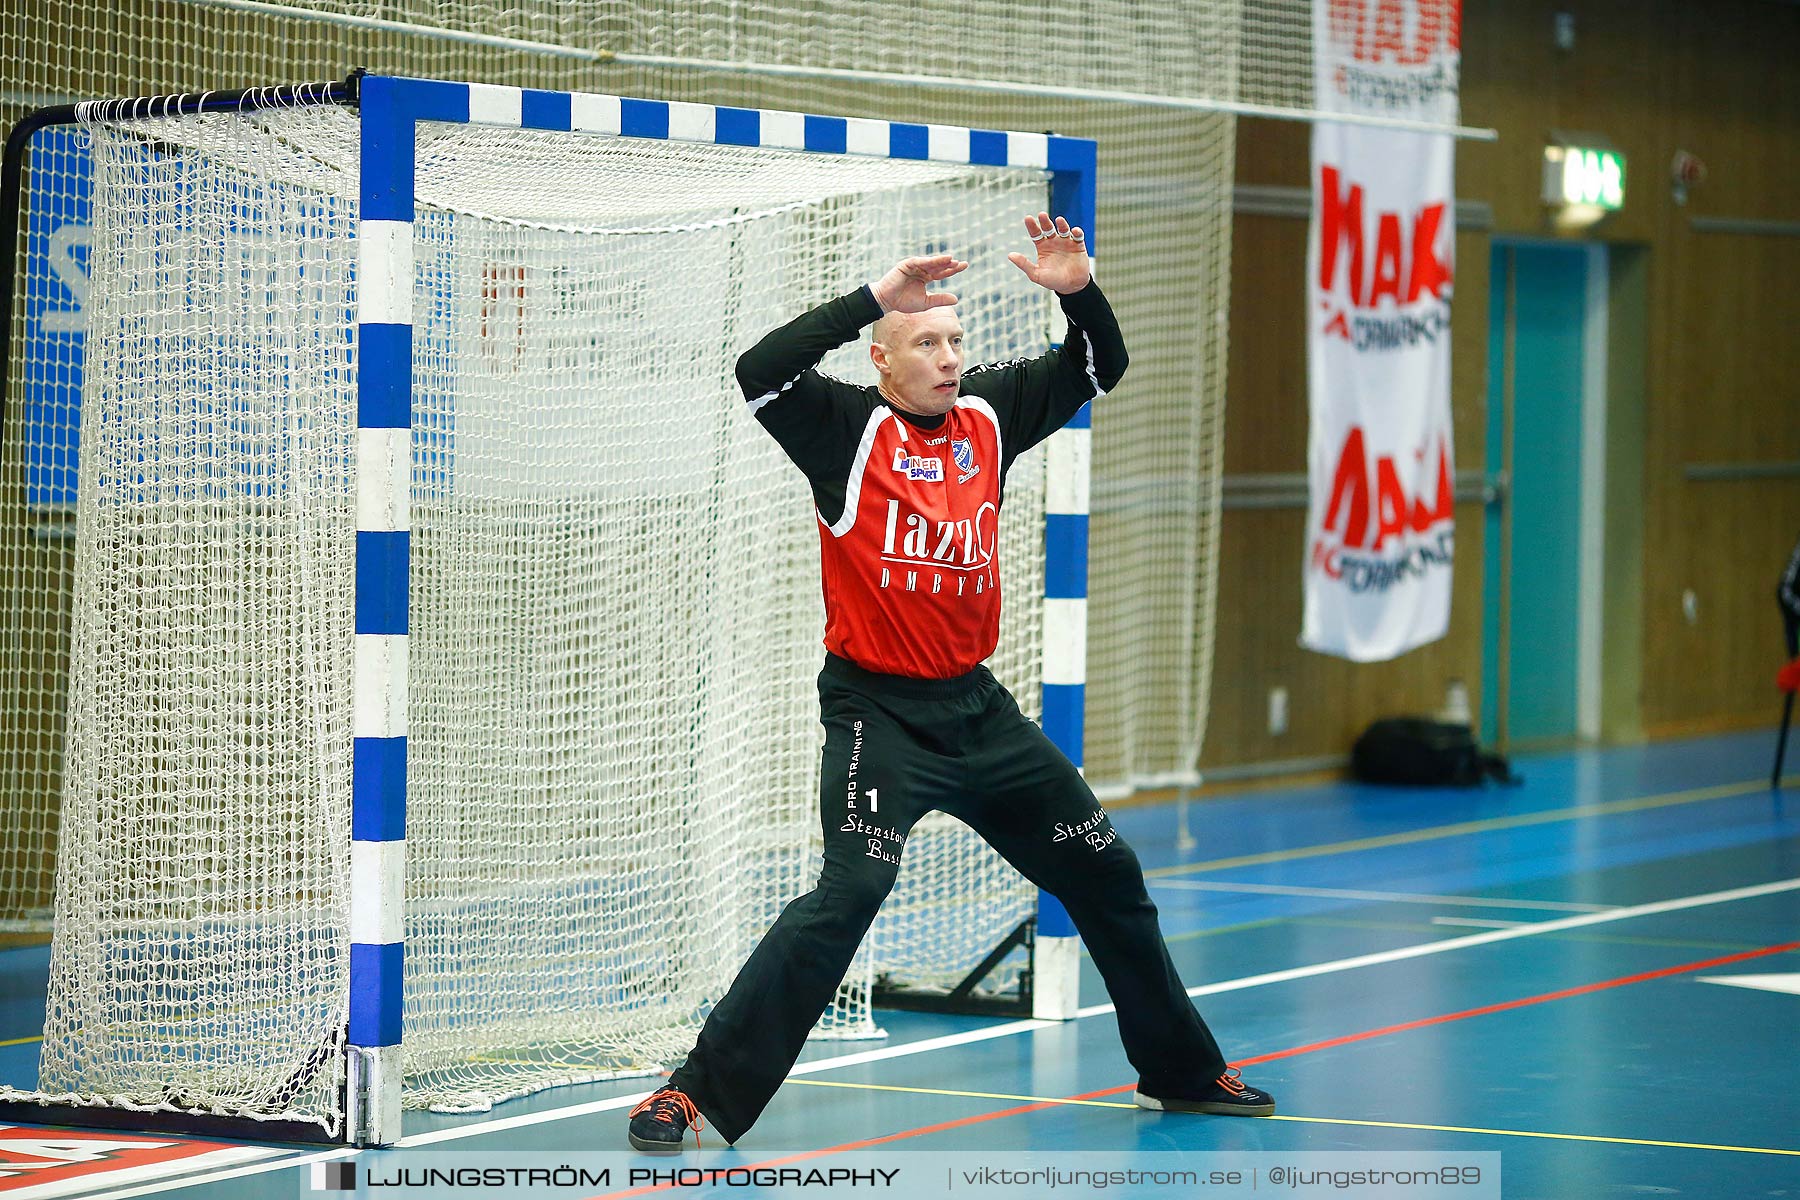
[[1789, 681]]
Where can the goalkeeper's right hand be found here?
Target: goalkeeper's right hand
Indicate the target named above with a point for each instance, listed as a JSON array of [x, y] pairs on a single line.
[[903, 289]]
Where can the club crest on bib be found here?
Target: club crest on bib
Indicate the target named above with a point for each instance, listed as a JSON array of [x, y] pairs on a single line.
[[962, 452]]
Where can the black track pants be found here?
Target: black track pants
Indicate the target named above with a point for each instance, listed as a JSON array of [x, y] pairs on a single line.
[[895, 749]]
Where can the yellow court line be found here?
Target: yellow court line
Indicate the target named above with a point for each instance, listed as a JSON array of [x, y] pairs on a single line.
[[1216, 931], [1525, 1133], [23, 1041], [1533, 1133], [1489, 825], [918, 1091]]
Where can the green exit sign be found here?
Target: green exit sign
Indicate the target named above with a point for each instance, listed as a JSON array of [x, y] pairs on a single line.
[[1585, 176]]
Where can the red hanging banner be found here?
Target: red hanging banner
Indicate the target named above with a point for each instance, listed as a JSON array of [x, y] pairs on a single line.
[[1380, 265]]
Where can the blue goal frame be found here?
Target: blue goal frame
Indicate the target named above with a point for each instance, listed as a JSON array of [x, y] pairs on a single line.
[[391, 108]]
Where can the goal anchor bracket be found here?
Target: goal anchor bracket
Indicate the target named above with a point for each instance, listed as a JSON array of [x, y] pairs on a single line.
[[963, 998]]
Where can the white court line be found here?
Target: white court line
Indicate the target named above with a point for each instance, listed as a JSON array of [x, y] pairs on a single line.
[[1233, 985], [21, 1187], [1478, 922], [1482, 939], [1274, 889], [189, 1181], [1012, 1027]]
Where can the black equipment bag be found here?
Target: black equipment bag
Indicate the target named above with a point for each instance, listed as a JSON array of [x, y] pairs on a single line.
[[1424, 753]]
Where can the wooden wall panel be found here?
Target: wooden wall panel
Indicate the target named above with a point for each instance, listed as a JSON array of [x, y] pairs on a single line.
[[1724, 373]]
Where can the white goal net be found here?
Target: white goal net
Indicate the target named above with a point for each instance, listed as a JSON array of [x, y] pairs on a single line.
[[1158, 441], [615, 616]]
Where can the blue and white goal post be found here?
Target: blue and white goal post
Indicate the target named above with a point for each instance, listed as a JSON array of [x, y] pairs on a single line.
[[391, 110]]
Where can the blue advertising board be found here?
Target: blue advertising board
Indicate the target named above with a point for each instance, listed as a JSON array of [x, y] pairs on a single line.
[[54, 302]]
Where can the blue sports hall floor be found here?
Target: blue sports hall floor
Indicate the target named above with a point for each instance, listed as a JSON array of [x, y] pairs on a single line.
[[1594, 975]]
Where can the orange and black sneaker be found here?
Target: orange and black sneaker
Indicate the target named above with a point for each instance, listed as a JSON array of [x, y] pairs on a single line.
[[661, 1120], [1226, 1096]]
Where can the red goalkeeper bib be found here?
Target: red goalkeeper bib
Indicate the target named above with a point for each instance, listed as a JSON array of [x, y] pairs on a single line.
[[909, 507], [912, 565]]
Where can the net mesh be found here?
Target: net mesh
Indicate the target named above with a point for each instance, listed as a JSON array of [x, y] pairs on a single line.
[[613, 743], [202, 885], [37, 463], [1189, 50]]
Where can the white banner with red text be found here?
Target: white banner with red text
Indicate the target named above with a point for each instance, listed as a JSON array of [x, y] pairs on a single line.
[[1380, 536]]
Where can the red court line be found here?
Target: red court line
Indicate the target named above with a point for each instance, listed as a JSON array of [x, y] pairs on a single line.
[[1509, 1004], [1309, 1048]]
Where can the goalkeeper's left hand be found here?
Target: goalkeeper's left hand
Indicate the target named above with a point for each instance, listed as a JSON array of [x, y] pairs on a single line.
[[1062, 257]]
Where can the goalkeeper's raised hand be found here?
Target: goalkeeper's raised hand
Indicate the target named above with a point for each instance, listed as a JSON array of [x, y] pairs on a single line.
[[904, 289], [1062, 257]]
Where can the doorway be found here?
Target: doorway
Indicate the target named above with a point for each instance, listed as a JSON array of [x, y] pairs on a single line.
[[1547, 381]]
